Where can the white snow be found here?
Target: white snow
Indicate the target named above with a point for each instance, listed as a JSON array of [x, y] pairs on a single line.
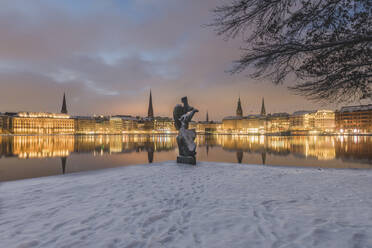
[[208, 205]]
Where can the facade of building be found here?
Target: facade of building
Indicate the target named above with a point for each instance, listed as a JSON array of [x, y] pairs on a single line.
[[354, 119], [277, 123], [129, 123], [319, 121], [2, 130], [41, 123], [301, 122], [84, 125], [252, 124], [324, 121], [164, 125], [208, 127]]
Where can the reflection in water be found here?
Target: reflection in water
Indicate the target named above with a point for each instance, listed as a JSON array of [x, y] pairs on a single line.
[[263, 155], [239, 156], [150, 155], [325, 151], [63, 160]]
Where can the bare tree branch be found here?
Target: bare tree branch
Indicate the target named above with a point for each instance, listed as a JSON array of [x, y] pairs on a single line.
[[326, 44]]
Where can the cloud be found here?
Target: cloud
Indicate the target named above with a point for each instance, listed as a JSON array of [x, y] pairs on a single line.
[[108, 54]]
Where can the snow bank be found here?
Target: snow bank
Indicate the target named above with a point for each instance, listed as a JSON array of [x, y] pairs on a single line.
[[209, 205]]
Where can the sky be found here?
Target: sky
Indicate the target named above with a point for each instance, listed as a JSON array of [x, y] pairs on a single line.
[[107, 55]]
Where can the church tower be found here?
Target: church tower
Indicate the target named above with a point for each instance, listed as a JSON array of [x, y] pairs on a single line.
[[207, 117], [263, 110], [64, 106], [150, 112], [239, 111]]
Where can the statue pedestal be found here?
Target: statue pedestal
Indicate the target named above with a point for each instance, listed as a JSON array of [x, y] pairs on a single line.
[[186, 160]]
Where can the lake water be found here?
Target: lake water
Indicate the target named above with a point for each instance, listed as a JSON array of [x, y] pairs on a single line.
[[36, 156]]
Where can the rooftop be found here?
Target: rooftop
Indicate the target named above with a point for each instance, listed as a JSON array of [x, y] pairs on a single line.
[[356, 108]]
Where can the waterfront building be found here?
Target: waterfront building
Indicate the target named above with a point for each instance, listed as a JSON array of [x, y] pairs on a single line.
[[208, 127], [324, 121], [312, 122], [230, 123], [145, 124], [301, 122], [354, 119], [252, 124], [98, 125], [40, 123], [277, 123], [116, 125], [128, 122], [1, 124], [84, 125], [164, 125], [193, 125]]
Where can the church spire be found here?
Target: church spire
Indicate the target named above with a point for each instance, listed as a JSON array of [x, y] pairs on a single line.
[[207, 117], [263, 110], [239, 111], [64, 106], [150, 112]]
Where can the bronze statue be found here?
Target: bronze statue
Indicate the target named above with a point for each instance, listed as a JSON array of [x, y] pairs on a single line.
[[182, 116]]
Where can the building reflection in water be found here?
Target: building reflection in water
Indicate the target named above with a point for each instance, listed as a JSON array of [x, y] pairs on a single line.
[[263, 155], [338, 150], [63, 161], [318, 147], [239, 156]]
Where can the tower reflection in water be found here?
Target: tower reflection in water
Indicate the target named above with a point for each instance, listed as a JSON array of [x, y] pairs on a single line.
[[327, 151]]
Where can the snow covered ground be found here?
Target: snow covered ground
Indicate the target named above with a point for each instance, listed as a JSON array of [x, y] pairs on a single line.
[[209, 205]]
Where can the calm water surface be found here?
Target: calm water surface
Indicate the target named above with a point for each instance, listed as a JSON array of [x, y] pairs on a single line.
[[36, 156]]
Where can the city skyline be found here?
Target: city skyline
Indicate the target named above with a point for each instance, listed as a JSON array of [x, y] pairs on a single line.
[[107, 55]]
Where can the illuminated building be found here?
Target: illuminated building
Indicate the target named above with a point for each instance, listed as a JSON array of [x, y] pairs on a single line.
[[164, 124], [98, 125], [208, 127], [230, 123], [354, 119], [145, 124], [252, 124], [129, 123], [277, 123], [84, 125], [193, 125], [324, 121], [116, 125], [41, 123], [2, 130], [301, 122]]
